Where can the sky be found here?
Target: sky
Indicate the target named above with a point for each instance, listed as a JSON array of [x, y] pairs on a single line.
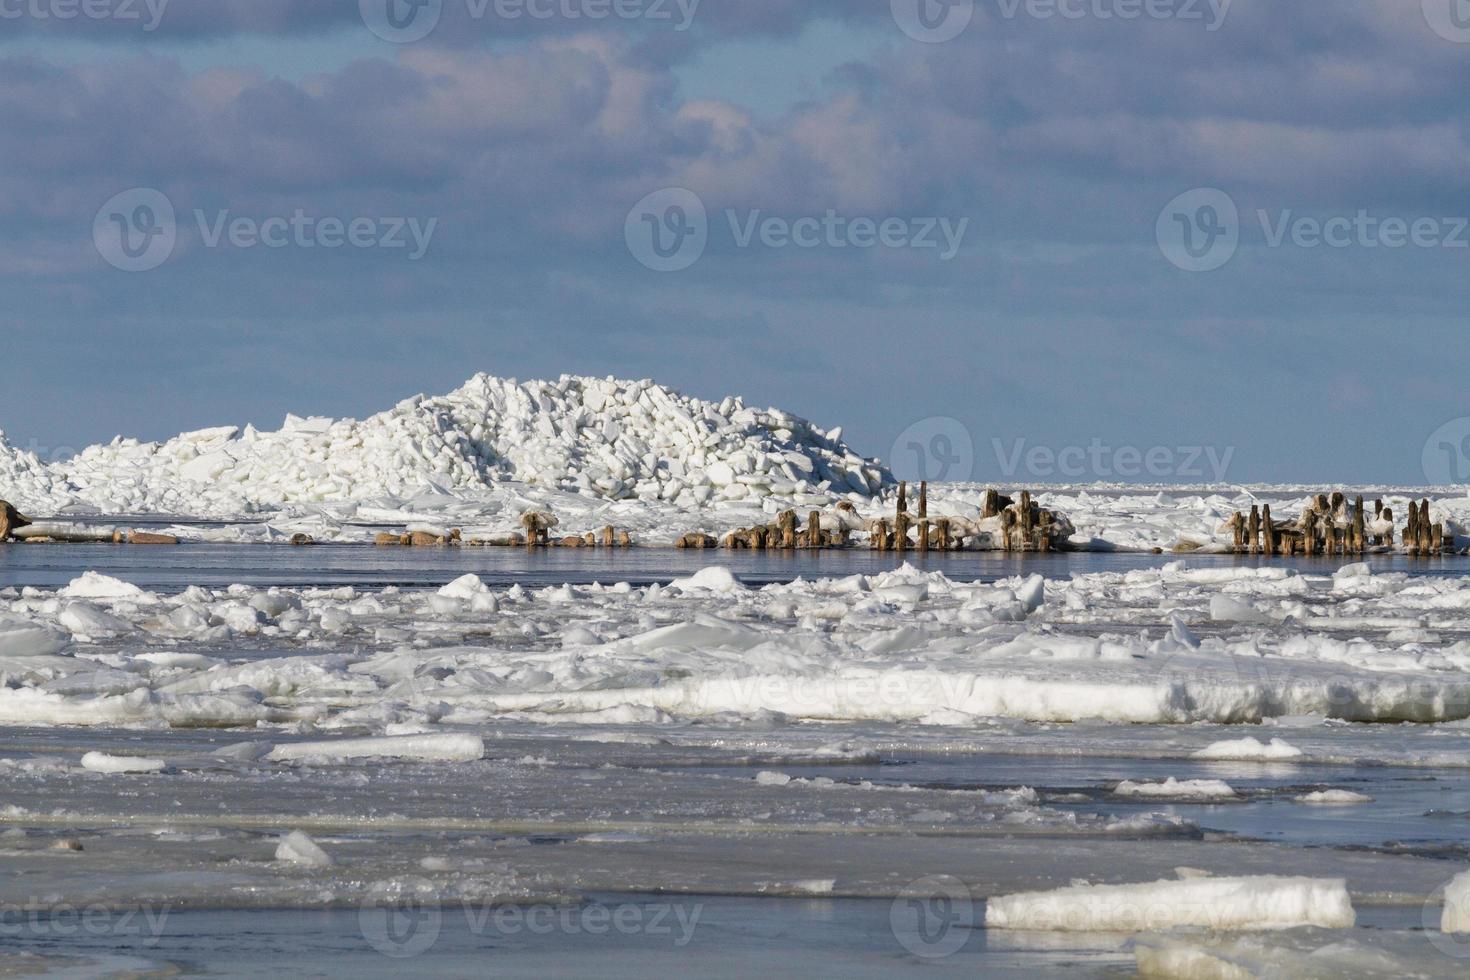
[[1005, 240]]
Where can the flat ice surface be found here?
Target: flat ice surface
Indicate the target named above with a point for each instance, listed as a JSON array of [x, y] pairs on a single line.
[[883, 750]]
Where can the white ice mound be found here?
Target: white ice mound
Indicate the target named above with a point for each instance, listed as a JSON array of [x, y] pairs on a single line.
[[297, 848], [1171, 788], [423, 748], [93, 585], [102, 762], [1221, 904], [1456, 916], [712, 579], [1333, 797], [1248, 750], [603, 438]]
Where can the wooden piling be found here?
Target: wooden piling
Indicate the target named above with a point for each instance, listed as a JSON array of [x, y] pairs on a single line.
[[1253, 530], [1309, 532], [991, 507], [787, 523]]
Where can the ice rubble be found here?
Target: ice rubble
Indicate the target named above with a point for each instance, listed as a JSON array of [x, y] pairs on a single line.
[[606, 439], [904, 646], [1221, 904], [299, 849], [1171, 788]]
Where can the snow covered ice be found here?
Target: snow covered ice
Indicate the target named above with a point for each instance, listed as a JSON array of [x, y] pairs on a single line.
[[1176, 765]]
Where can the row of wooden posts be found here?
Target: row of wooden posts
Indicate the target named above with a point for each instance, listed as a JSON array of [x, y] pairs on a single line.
[[537, 535], [1329, 526], [1024, 527]]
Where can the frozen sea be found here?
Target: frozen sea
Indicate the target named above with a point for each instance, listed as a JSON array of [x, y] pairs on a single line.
[[562, 763]]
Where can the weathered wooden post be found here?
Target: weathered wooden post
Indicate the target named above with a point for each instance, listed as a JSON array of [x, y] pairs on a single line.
[[1388, 517], [1253, 530], [814, 530], [1237, 529], [1043, 531], [625, 540], [787, 523], [609, 536], [901, 520], [1268, 531], [944, 534], [11, 520], [1411, 532], [991, 507], [924, 516], [1309, 532]]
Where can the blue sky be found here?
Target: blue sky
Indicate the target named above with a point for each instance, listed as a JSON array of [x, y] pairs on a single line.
[[1313, 333]]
